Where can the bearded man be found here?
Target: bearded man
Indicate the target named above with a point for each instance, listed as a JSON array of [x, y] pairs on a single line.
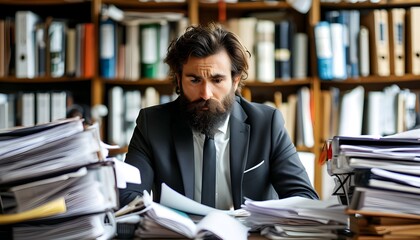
[[211, 144]]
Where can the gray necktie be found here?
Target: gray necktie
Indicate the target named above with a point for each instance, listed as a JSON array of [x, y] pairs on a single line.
[[209, 173]]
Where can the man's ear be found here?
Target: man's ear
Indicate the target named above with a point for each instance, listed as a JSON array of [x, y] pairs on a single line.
[[236, 81]]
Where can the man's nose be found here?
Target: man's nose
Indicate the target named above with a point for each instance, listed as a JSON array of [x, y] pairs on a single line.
[[206, 91]]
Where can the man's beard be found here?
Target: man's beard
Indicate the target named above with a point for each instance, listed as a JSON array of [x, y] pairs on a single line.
[[206, 121]]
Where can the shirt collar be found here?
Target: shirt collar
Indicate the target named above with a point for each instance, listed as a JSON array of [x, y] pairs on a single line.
[[223, 128]]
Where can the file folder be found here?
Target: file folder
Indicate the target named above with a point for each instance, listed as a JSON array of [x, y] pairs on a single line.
[[25, 43], [397, 41], [413, 51], [324, 50], [377, 23]]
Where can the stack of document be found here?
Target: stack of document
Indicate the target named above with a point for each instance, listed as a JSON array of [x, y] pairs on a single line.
[[55, 183], [297, 218], [176, 216], [386, 179]]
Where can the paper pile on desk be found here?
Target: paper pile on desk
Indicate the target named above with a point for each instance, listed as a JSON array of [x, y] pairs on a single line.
[[160, 221], [297, 218], [385, 174]]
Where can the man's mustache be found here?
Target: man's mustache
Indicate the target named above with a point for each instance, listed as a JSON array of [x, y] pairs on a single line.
[[212, 104]]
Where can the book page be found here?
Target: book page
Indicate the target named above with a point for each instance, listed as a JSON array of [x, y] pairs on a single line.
[[173, 199]]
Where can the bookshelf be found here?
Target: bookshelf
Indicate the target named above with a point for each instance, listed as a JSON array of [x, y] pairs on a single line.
[[94, 90], [373, 83]]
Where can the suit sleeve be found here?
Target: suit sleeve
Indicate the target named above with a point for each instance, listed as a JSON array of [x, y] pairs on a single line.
[[139, 156], [288, 174]]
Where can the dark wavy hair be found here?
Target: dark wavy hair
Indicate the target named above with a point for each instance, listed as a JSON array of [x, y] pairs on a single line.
[[203, 41]]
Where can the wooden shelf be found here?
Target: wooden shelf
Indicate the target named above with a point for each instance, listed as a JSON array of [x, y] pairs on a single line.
[[280, 83], [253, 6], [42, 2], [44, 80], [147, 5], [369, 5], [372, 83]]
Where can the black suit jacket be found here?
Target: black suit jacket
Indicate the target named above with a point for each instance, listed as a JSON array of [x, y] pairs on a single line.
[[262, 156]]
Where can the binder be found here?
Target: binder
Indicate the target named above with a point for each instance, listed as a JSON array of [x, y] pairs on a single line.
[[397, 41], [2, 47], [80, 49], [283, 40], [304, 129], [364, 57], [88, 54], [132, 53], [26, 109], [338, 47], [377, 23], [149, 50], [351, 112], [58, 105], [413, 43], [246, 31], [265, 50], [163, 44], [340, 19], [57, 44], [324, 50], [353, 55], [116, 115], [4, 110], [25, 43], [70, 51], [40, 49], [300, 56], [43, 107], [108, 48], [374, 113]]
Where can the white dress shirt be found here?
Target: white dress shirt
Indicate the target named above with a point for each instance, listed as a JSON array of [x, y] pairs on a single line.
[[223, 182]]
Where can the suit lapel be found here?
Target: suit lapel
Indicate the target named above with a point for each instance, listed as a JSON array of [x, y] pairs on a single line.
[[184, 148], [239, 142]]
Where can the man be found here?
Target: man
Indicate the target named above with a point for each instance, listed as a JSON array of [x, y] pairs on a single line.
[[255, 156]]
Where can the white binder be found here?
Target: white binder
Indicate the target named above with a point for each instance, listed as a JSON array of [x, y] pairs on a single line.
[[25, 43]]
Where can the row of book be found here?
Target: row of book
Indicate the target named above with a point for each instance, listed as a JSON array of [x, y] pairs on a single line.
[[36, 47], [278, 50], [30, 108], [355, 112], [384, 190], [124, 107], [377, 42], [297, 110], [56, 183], [134, 44]]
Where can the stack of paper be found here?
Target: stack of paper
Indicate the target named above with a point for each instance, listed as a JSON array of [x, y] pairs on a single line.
[[297, 217], [386, 179], [55, 182], [176, 216]]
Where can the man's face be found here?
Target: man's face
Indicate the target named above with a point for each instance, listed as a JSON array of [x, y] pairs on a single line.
[[207, 90]]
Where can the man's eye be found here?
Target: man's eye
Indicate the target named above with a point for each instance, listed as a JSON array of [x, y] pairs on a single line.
[[218, 80], [195, 80]]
